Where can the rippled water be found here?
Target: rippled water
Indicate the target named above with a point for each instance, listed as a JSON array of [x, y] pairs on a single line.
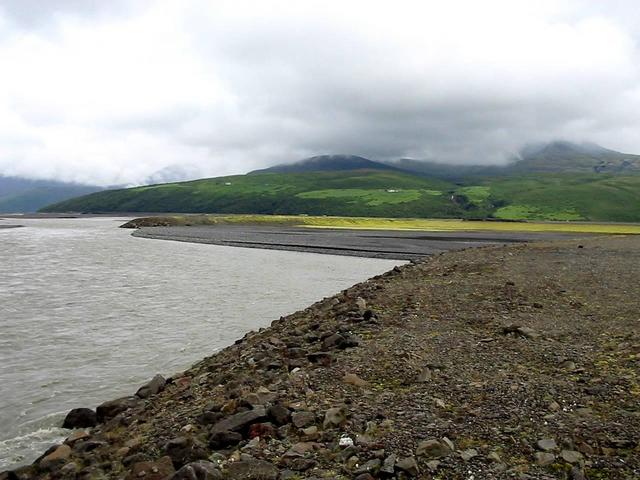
[[88, 313]]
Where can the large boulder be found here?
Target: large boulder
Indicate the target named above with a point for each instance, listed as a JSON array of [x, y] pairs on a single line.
[[80, 418], [240, 420], [110, 409], [154, 386]]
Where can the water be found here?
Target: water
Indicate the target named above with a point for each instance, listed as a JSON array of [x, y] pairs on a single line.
[[88, 313]]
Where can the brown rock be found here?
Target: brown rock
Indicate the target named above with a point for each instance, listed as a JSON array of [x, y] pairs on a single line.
[[157, 470]]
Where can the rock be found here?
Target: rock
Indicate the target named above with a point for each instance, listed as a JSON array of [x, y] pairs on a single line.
[[494, 457], [547, 444], [408, 465], [302, 464], [56, 458], [183, 450], [332, 341], [544, 458], [158, 470], [571, 456], [321, 358], [80, 418], [279, 414], [388, 466], [303, 419], [353, 379], [334, 417], [300, 448], [365, 476], [112, 408], [372, 467], [209, 418], [424, 375], [201, 470], [577, 474], [156, 385], [525, 332], [262, 430], [361, 303], [251, 470], [468, 454], [311, 432], [240, 420], [76, 436], [433, 465], [433, 449], [220, 440]]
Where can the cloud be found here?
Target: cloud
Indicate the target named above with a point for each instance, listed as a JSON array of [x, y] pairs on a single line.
[[112, 93]]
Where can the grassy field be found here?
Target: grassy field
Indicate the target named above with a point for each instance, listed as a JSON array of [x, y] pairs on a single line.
[[383, 193], [410, 224]]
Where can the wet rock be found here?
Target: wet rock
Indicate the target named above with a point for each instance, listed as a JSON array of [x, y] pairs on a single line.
[[220, 440], [547, 444], [433, 449], [112, 408], [279, 414], [80, 418], [240, 420], [303, 419], [156, 385], [56, 458], [334, 417], [408, 465], [251, 470], [544, 458], [157, 470], [201, 470]]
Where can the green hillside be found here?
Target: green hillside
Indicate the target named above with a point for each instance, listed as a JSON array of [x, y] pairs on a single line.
[[383, 193]]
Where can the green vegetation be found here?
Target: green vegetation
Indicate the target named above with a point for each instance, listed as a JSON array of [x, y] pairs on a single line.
[[383, 193]]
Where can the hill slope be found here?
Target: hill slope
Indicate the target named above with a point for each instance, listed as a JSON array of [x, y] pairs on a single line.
[[327, 163], [19, 195]]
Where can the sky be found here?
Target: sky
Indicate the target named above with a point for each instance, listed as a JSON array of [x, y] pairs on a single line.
[[116, 92]]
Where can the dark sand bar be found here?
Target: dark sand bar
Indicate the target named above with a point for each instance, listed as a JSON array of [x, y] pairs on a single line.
[[397, 245]]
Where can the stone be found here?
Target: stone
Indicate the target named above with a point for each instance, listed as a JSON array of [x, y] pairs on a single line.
[[303, 418], [372, 467], [388, 466], [433, 449], [302, 464], [201, 470], [154, 386], [361, 303], [279, 414], [571, 456], [110, 409], [76, 436], [183, 450], [240, 420], [353, 379], [408, 465], [321, 358], [311, 432], [334, 417], [332, 341], [80, 418], [547, 444], [365, 476], [157, 470], [424, 375], [57, 457], [262, 430], [544, 458], [577, 474], [433, 465], [220, 440], [468, 454], [251, 470]]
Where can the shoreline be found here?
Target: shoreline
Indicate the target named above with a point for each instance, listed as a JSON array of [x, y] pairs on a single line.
[[381, 244], [486, 362]]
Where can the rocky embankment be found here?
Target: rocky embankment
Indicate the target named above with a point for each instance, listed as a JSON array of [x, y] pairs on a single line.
[[498, 362]]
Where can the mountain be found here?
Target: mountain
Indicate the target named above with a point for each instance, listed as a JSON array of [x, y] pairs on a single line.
[[558, 181], [555, 157], [327, 163], [21, 195]]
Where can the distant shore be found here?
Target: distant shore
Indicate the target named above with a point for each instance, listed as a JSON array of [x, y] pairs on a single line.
[[385, 244]]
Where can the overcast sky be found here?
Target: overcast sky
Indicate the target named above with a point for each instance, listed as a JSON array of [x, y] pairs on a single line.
[[110, 92]]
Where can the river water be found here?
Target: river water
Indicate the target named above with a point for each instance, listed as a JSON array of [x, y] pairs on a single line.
[[88, 313]]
